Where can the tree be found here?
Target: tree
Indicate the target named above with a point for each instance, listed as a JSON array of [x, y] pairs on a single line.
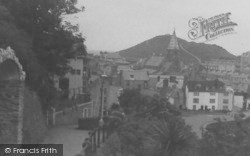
[[49, 42], [132, 101], [174, 136], [226, 139]]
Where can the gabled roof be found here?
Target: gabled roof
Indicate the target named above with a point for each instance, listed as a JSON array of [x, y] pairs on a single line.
[[135, 75], [154, 61], [150, 71], [123, 67], [170, 92], [173, 44], [206, 86]]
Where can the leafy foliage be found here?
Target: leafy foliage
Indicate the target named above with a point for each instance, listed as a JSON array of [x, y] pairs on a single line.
[[132, 101], [226, 138], [35, 30], [174, 136], [153, 127]]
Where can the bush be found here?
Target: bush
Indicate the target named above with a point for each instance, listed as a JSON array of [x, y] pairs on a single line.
[[242, 115], [88, 123]]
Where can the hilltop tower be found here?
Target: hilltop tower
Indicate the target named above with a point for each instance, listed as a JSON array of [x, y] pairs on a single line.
[[173, 51], [173, 44]]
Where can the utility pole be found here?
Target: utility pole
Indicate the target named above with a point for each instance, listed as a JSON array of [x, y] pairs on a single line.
[[101, 122]]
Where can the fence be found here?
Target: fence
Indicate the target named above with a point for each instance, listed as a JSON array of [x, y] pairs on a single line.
[[68, 115], [98, 136]]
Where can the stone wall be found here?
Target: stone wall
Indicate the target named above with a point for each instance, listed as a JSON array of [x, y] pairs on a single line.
[[9, 98], [34, 125], [32, 122], [21, 118]]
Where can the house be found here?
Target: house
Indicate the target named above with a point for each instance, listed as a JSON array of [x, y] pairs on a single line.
[[157, 81], [203, 95], [226, 65], [123, 68], [134, 79], [245, 62], [238, 100], [154, 62], [248, 103], [174, 95], [238, 81], [226, 99], [113, 57], [74, 82]]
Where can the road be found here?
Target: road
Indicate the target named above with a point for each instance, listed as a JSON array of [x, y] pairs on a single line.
[[197, 58], [69, 136]]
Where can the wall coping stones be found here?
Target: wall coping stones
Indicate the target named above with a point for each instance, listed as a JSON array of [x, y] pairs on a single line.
[[9, 53]]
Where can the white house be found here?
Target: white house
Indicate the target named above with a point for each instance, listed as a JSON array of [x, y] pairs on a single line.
[[75, 81], [226, 99], [203, 95]]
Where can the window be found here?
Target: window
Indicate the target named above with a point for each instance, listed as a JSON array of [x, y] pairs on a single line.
[[196, 93], [225, 107], [212, 100], [145, 84], [73, 71], [213, 107], [212, 93], [78, 71], [225, 94], [84, 68], [225, 101], [131, 76], [105, 99], [172, 78], [194, 107], [195, 100], [85, 113]]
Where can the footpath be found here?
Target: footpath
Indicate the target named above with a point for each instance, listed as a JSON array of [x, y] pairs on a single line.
[[68, 135]]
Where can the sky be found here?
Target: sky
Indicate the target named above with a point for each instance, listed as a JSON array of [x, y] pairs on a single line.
[[113, 25]]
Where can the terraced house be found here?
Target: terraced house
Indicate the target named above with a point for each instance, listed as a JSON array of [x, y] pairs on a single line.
[[208, 95]]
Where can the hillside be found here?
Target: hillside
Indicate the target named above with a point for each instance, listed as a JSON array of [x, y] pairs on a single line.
[[159, 44]]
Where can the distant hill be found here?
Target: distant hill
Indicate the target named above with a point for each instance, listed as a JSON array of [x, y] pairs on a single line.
[[159, 44]]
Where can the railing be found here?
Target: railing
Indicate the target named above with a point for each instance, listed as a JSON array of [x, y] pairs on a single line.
[[98, 136]]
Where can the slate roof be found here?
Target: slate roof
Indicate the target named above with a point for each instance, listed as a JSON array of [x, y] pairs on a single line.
[[154, 61], [123, 67], [135, 75], [150, 71], [206, 86]]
